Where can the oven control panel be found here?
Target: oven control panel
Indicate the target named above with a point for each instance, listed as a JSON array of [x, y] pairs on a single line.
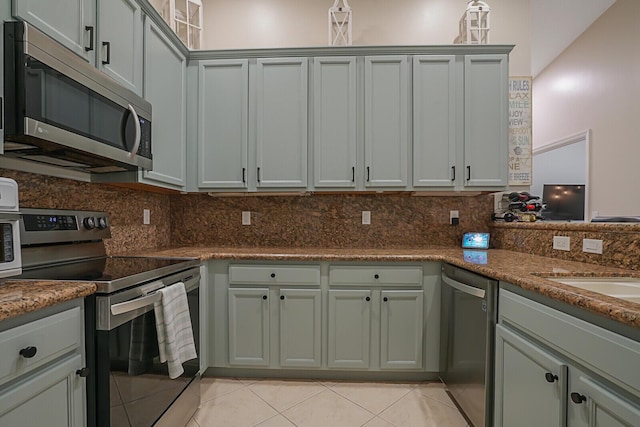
[[43, 226], [49, 222]]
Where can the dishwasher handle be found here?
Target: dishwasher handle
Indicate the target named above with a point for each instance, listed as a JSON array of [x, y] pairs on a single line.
[[469, 290]]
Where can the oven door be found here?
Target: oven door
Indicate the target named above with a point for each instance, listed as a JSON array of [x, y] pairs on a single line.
[[133, 388]]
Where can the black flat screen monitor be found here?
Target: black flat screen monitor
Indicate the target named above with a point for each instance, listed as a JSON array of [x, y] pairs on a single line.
[[563, 202]]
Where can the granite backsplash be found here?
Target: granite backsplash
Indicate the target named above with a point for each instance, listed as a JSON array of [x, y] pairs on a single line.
[[327, 220], [123, 205], [321, 220], [620, 242]]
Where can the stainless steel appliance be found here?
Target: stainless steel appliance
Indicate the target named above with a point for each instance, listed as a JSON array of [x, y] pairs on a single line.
[[60, 110], [10, 256], [468, 321], [127, 384]]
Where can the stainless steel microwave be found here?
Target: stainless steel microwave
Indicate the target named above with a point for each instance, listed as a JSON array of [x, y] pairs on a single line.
[[62, 111]]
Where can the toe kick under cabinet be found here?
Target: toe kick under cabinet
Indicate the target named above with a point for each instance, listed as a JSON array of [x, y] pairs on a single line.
[[324, 316]]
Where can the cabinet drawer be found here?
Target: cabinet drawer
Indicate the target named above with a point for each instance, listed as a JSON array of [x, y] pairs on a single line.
[[388, 276], [613, 356], [274, 275], [51, 337]]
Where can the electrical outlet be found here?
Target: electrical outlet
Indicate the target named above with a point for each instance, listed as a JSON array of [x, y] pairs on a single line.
[[146, 216], [561, 243], [454, 217], [246, 217], [593, 246], [366, 217]]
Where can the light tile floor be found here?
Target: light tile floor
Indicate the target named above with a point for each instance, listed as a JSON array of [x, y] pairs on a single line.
[[239, 402]]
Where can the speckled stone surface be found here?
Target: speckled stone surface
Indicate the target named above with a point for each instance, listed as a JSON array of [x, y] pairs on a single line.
[[21, 297], [124, 207], [326, 221], [524, 270], [620, 242]]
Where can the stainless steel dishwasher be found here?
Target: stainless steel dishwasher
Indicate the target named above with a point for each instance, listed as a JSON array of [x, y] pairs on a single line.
[[467, 341]]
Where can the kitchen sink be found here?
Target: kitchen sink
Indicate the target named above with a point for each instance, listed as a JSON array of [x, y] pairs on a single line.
[[627, 288]]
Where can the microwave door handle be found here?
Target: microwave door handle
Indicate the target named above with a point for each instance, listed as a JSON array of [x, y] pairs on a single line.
[[136, 119]]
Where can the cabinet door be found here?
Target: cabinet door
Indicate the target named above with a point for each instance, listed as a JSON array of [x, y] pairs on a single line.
[[223, 87], [249, 327], [53, 397], [71, 22], [120, 42], [436, 128], [165, 89], [486, 120], [300, 327], [602, 406], [334, 122], [530, 384], [349, 328], [386, 120], [281, 129], [401, 324]]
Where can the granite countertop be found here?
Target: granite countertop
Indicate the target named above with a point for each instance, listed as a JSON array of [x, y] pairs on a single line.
[[524, 270], [19, 297]]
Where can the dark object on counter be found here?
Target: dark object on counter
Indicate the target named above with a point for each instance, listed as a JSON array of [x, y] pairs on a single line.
[[634, 219]]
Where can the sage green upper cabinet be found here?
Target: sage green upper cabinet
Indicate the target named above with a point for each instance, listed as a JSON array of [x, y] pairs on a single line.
[[165, 89], [119, 42], [386, 120], [437, 84], [71, 22], [334, 122], [281, 123], [223, 87], [485, 120], [107, 33]]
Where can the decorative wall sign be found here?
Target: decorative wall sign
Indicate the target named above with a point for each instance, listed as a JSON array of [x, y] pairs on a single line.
[[520, 157]]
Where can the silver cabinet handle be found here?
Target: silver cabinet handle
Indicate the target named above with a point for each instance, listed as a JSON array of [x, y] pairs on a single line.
[[136, 144], [470, 290]]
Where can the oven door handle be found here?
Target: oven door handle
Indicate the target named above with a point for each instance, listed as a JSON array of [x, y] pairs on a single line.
[[134, 304], [151, 298], [469, 290]]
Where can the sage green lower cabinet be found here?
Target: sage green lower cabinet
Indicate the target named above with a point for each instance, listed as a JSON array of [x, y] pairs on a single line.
[[43, 386], [349, 328], [52, 397], [524, 395], [334, 320], [300, 327], [553, 369], [249, 327], [401, 323]]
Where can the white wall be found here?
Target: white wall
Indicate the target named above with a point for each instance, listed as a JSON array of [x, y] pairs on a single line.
[[595, 84], [246, 24]]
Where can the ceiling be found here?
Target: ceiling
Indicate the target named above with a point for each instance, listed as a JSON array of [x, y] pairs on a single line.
[[556, 24]]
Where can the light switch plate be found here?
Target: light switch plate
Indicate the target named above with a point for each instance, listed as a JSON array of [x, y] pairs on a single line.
[[146, 216], [246, 217], [366, 217], [561, 243], [593, 246]]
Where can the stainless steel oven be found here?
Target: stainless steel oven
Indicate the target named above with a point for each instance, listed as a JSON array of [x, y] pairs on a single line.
[[468, 322], [127, 385]]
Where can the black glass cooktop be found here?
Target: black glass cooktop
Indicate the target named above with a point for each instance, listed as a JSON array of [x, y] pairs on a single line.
[[110, 273]]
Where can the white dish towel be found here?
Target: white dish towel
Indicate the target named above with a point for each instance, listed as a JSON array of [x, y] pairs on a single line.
[[173, 325]]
